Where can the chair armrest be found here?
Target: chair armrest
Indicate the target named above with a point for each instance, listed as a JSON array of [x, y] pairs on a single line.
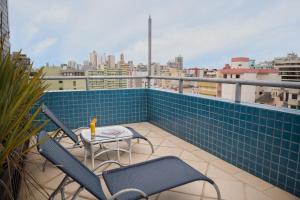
[[80, 128], [115, 196], [106, 162]]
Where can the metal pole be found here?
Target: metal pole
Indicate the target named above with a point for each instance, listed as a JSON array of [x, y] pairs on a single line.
[[87, 83], [149, 51], [180, 86], [238, 92]]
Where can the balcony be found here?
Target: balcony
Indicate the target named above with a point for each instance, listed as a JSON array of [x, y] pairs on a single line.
[[250, 150]]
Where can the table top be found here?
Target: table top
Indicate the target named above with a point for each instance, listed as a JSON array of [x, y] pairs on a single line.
[[107, 133]]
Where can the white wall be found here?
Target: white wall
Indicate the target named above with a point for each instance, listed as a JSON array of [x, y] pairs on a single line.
[[243, 64], [247, 93]]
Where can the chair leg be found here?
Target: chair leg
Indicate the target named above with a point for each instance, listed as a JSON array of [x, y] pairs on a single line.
[[130, 149], [92, 156], [151, 145], [85, 155], [44, 165], [76, 193], [118, 151], [217, 190], [60, 186]]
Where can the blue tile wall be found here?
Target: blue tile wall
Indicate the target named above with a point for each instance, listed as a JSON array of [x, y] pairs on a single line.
[[259, 139], [76, 108]]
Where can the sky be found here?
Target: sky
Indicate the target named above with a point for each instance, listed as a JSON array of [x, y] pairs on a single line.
[[206, 33]]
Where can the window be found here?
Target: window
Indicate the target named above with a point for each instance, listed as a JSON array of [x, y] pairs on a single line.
[[61, 88], [293, 107], [294, 96], [286, 96], [60, 81], [225, 76], [230, 75], [74, 83], [281, 97], [260, 93], [237, 76]]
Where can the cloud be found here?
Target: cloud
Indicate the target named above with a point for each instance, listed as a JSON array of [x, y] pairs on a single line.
[[43, 45], [203, 32], [223, 35]]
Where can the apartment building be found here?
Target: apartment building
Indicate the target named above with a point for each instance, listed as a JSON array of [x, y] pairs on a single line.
[[204, 88], [263, 65], [111, 61], [289, 70], [93, 59], [71, 64], [108, 83], [137, 83], [240, 62], [66, 84], [22, 59], [4, 26], [288, 67], [251, 94], [170, 84]]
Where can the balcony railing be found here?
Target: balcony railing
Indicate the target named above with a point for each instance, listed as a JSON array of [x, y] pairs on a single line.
[[237, 82]]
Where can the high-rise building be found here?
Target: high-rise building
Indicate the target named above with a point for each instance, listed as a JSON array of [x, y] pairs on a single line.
[[4, 27], [71, 64], [111, 61], [289, 67], [179, 62], [22, 59], [122, 59], [85, 64], [93, 59], [102, 60], [289, 70]]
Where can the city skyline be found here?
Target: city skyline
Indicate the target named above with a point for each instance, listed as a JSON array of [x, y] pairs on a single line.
[[205, 34]]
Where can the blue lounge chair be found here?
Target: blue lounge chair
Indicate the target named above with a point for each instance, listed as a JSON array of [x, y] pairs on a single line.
[[74, 137], [132, 182]]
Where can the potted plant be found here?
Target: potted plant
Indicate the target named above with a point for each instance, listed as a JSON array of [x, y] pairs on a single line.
[[19, 92]]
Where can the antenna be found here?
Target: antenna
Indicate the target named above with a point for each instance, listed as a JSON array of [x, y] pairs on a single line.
[[149, 49]]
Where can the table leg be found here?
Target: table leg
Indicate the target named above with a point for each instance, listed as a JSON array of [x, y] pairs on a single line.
[[85, 155], [118, 150], [92, 155], [129, 149]]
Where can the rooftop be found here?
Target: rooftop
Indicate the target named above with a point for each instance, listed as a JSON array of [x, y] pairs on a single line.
[[250, 150], [240, 59], [234, 183], [243, 71]]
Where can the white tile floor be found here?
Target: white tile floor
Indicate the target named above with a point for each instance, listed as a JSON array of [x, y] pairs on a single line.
[[234, 183]]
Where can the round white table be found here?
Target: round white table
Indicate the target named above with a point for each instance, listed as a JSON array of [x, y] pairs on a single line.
[[103, 135]]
